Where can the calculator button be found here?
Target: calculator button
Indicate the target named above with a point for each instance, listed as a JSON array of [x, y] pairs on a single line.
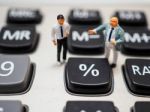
[[90, 106], [141, 107], [18, 39], [88, 76], [82, 16], [80, 42], [16, 73], [23, 16], [11, 106], [131, 18], [137, 75], [136, 42]]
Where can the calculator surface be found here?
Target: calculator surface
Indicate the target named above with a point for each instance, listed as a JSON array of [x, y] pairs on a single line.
[[48, 92]]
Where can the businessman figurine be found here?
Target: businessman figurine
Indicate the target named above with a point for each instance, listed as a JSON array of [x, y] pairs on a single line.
[[114, 35], [60, 32]]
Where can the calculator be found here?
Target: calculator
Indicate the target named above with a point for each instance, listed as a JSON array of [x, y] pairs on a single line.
[[32, 81]]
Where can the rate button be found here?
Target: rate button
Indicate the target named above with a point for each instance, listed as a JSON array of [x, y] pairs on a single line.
[[137, 75]]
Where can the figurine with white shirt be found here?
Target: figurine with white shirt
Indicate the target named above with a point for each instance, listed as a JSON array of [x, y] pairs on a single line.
[[113, 34], [60, 32]]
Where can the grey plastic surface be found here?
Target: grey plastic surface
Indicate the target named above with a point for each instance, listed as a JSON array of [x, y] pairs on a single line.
[[48, 91]]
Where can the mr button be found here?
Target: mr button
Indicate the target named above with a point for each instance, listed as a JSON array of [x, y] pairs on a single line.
[[18, 39], [16, 74], [137, 75], [80, 42], [88, 76]]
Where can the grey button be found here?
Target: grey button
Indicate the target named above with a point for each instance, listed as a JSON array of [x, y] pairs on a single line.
[[15, 73], [11, 106]]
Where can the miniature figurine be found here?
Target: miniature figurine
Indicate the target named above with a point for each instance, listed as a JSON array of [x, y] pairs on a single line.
[[113, 34], [60, 32]]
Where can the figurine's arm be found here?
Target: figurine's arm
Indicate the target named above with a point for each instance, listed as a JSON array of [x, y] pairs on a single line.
[[99, 28], [121, 35], [53, 36], [67, 30]]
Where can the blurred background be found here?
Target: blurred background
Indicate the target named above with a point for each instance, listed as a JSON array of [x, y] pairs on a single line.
[[47, 2]]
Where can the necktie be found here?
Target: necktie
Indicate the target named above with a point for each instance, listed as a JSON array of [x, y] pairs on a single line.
[[61, 30], [110, 34]]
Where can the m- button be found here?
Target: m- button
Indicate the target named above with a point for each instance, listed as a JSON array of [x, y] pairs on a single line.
[[137, 75], [80, 42], [18, 39]]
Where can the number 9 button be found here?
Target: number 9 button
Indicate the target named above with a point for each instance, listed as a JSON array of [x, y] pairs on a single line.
[[88, 76], [16, 74]]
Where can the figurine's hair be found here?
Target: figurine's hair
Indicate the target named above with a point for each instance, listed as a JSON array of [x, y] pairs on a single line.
[[115, 18], [60, 16]]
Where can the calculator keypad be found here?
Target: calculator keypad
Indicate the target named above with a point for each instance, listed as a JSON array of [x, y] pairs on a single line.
[[16, 73], [90, 106], [18, 39], [88, 76], [23, 16]]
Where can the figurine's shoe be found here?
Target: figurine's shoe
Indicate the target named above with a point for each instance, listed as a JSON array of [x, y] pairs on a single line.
[[64, 61], [113, 65], [59, 63]]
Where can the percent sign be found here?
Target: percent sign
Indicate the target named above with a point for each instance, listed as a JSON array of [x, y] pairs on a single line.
[[96, 111], [94, 72]]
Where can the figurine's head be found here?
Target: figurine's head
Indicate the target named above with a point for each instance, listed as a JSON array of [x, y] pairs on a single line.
[[114, 21], [60, 19]]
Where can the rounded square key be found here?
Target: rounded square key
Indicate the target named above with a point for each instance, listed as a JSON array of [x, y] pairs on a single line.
[[137, 75], [136, 42], [12, 106], [23, 16], [84, 17], [88, 76], [80, 42], [131, 18], [18, 39], [16, 74], [90, 106], [141, 106]]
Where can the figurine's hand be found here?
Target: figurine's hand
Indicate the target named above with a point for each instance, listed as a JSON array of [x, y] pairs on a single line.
[[91, 32], [66, 34], [113, 42], [54, 42]]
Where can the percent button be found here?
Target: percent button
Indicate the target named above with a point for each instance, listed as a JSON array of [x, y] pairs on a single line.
[[88, 76]]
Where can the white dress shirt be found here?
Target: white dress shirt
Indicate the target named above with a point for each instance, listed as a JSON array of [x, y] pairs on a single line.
[[56, 31], [112, 35]]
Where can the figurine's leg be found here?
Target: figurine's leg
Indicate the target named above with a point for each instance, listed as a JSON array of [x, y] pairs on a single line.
[[115, 55], [107, 50], [65, 49], [59, 46]]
